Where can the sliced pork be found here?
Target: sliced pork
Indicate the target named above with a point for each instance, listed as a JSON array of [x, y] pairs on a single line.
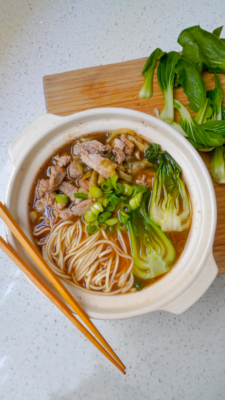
[[118, 150], [44, 186], [75, 170], [63, 161], [62, 214], [82, 207], [69, 190], [56, 175], [102, 165], [93, 147], [83, 184]]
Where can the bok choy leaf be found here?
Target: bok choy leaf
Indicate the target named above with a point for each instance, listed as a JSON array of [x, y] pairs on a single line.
[[148, 72], [203, 49], [169, 205], [195, 132], [218, 31], [152, 251], [193, 84], [216, 97], [166, 74]]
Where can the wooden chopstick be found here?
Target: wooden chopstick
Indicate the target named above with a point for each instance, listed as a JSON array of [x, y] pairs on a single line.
[[37, 257], [10, 252]]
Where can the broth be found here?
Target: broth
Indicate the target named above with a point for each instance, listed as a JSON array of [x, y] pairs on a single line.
[[46, 225]]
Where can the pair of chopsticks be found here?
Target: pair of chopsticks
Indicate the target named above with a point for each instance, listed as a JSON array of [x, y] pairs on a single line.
[[37, 257]]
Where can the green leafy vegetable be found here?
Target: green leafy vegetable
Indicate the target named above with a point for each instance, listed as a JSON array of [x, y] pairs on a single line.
[[216, 97], [218, 31], [148, 71], [169, 204], [193, 84], [223, 112], [218, 165], [203, 49], [217, 127], [114, 200], [152, 251], [166, 74], [194, 131], [139, 189]]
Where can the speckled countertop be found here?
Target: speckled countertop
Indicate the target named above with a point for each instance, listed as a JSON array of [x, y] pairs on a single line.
[[42, 356]]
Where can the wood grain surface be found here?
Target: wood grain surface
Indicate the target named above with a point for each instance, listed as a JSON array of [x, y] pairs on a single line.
[[118, 85]]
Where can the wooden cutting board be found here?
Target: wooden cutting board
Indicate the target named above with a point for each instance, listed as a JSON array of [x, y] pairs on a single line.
[[118, 85]]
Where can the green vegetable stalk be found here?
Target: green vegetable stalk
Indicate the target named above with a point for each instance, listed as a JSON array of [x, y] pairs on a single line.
[[152, 251], [148, 71], [218, 165], [166, 74]]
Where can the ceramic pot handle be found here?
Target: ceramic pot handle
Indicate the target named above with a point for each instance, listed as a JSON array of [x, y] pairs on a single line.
[[29, 134], [196, 289]]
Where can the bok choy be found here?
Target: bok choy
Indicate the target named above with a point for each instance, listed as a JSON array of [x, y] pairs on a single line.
[[203, 49], [169, 205], [153, 252], [148, 71], [218, 165], [166, 74], [205, 139]]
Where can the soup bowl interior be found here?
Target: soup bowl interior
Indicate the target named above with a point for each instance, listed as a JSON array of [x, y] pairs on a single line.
[[195, 269]]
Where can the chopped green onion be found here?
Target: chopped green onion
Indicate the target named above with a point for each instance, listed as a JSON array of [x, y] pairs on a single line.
[[102, 227], [106, 186], [111, 221], [61, 198], [111, 207], [119, 187], [121, 226], [112, 229], [95, 192], [104, 216], [92, 228], [123, 217], [114, 179], [97, 208], [105, 202], [124, 214], [135, 201], [81, 195], [128, 189], [89, 216], [125, 208]]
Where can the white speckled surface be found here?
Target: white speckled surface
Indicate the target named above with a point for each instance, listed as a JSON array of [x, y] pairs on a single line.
[[42, 356]]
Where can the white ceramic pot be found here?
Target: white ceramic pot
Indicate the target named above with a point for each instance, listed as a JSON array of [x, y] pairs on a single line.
[[196, 268]]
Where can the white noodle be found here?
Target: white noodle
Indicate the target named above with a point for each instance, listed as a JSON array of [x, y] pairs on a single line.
[[92, 259]]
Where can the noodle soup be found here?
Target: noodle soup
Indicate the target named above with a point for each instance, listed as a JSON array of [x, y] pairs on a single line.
[[110, 213]]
